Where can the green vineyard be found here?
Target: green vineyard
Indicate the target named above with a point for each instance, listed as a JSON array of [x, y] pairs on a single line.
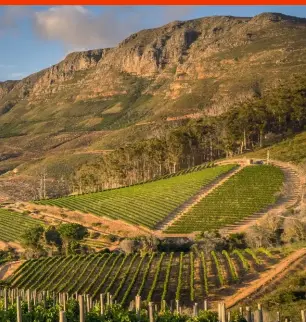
[[187, 277], [249, 191], [145, 204], [13, 224]]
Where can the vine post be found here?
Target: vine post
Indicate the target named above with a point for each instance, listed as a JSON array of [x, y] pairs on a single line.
[[260, 314], [82, 308], [29, 300], [102, 304], [5, 299], [151, 312], [195, 309], [19, 312], [229, 316], [303, 314], [248, 314], [205, 305], [62, 316], [137, 304]]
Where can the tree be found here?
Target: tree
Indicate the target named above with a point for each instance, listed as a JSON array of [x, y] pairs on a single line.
[[128, 245], [72, 233], [210, 240], [32, 239], [294, 230], [53, 238]]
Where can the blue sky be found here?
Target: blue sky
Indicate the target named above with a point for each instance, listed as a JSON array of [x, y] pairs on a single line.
[[36, 37]]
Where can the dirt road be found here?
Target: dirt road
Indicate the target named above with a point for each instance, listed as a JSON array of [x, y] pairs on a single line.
[[8, 269], [265, 278]]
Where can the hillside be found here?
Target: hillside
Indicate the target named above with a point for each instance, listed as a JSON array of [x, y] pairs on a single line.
[[187, 277], [154, 80], [202, 200], [158, 73]]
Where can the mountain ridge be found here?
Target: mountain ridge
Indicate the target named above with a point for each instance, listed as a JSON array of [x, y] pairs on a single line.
[[102, 99]]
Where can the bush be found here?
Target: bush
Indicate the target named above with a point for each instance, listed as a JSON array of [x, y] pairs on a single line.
[[94, 235]]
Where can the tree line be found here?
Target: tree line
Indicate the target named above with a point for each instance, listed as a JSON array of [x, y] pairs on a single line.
[[268, 116]]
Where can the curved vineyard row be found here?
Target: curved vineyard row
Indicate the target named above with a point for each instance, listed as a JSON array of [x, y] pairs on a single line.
[[154, 276], [145, 204], [249, 191], [13, 224]]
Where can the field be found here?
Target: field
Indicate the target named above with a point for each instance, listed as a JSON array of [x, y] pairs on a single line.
[[13, 225], [249, 191], [187, 277], [145, 204]]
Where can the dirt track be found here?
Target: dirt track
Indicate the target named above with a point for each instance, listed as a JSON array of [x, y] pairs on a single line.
[[8, 269], [265, 278]]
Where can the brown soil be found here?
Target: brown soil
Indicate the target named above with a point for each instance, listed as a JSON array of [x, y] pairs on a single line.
[[107, 226], [8, 269], [276, 271], [16, 246]]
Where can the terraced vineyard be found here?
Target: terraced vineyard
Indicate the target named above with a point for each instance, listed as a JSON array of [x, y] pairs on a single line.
[[155, 276], [13, 224], [145, 204], [249, 191]]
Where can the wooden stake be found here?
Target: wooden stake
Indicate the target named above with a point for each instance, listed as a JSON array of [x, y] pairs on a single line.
[[62, 316], [19, 313], [82, 308], [101, 304], [151, 312], [229, 316], [137, 304], [248, 314], [64, 301], [29, 300], [5, 299], [260, 315], [195, 309], [205, 305], [223, 312], [303, 315]]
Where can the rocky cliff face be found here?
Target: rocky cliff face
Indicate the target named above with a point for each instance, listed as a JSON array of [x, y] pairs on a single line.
[[6, 87], [201, 65]]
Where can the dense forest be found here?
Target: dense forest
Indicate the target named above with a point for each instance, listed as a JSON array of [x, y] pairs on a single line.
[[267, 117]]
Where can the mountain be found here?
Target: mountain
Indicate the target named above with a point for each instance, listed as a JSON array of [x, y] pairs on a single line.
[[98, 99]]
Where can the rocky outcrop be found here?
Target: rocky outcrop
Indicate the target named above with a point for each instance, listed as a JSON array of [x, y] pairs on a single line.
[[202, 64], [6, 87]]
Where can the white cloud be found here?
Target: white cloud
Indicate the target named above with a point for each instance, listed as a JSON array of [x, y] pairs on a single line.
[[77, 27]]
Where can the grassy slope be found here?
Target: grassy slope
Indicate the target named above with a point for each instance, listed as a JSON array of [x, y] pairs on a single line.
[[292, 149], [288, 297], [145, 204]]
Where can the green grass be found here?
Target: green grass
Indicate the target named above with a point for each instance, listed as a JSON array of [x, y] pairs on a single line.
[[13, 224], [145, 204], [290, 150], [247, 192]]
